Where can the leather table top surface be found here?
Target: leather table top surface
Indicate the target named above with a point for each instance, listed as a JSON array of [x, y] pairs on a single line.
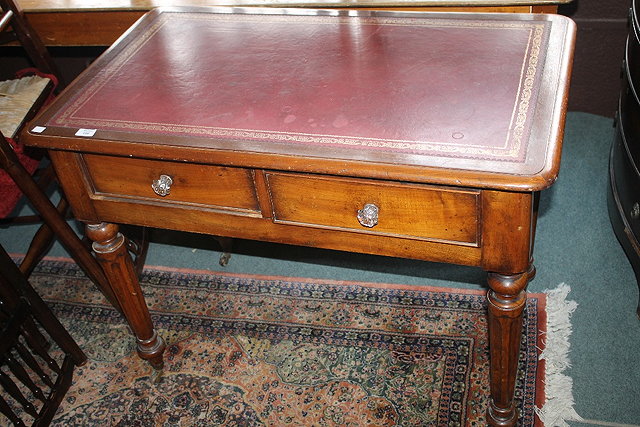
[[462, 91]]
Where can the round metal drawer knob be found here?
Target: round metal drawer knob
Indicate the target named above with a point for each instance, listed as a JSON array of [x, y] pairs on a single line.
[[635, 210], [368, 215], [162, 185]]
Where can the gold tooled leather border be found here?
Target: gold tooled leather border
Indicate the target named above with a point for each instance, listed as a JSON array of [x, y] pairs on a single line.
[[513, 148]]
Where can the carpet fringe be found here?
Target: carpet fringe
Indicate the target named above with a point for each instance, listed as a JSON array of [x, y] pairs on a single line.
[[558, 406]]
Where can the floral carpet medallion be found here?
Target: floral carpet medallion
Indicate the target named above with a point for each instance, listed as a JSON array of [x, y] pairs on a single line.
[[247, 350]]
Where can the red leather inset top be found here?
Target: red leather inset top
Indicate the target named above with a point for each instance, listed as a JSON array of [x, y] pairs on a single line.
[[434, 85]]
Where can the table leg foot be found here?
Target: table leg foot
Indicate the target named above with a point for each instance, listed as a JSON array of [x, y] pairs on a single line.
[[224, 259], [152, 350], [226, 243], [507, 298], [111, 252], [502, 416]]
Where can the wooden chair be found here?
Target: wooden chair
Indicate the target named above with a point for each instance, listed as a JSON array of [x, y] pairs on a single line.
[[37, 354], [20, 170], [15, 27]]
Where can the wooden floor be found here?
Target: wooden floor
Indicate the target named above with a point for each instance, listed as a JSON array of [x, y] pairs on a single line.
[[98, 23]]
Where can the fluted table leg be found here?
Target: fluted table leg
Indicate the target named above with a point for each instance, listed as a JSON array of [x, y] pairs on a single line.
[[111, 251], [507, 298]]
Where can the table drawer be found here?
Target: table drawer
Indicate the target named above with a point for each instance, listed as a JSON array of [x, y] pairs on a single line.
[[403, 210], [192, 184]]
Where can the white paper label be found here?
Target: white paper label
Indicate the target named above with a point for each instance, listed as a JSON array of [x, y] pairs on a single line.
[[38, 129], [86, 132]]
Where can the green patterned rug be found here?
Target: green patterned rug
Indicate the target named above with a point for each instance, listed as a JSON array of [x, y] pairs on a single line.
[[247, 350]]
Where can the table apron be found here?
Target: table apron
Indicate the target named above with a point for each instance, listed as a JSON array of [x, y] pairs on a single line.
[[468, 226]]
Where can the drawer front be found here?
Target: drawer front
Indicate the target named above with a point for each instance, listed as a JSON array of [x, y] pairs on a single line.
[[192, 184], [404, 210]]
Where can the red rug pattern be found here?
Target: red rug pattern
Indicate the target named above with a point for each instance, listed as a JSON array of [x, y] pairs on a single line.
[[247, 350]]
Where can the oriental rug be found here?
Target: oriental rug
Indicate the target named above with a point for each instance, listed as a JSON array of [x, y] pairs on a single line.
[[275, 351]]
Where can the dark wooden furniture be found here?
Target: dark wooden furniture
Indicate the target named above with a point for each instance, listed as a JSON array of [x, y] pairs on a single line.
[[601, 35], [30, 339], [425, 136], [15, 27], [20, 98], [624, 163], [82, 23]]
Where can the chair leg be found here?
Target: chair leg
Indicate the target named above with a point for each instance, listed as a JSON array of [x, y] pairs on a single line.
[[50, 215], [46, 318], [41, 242]]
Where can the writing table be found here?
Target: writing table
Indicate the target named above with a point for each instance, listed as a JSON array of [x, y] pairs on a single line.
[[418, 135]]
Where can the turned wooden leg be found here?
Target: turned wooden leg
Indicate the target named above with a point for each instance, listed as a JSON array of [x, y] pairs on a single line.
[[507, 298], [111, 251]]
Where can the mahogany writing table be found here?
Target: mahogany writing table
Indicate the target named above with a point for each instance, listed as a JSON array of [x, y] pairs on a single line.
[[421, 135]]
